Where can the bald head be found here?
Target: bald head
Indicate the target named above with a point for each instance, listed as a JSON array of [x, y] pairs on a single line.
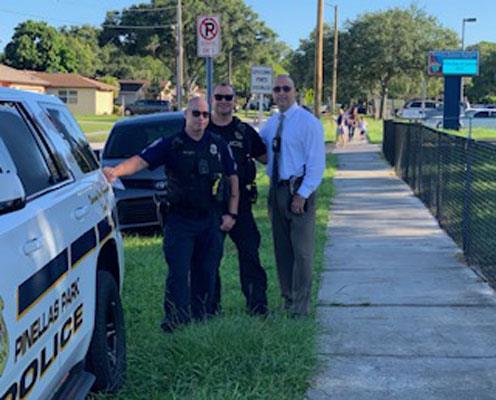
[[197, 117], [284, 92]]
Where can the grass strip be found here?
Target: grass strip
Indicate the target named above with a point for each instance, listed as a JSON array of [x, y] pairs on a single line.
[[234, 356]]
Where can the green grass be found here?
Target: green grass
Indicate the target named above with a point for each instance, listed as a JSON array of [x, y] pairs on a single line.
[[234, 356], [96, 127], [477, 133]]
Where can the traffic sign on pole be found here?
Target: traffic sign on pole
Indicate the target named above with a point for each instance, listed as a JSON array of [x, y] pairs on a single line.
[[261, 79], [208, 35]]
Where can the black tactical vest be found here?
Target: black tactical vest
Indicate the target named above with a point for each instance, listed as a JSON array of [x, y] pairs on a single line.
[[193, 174], [240, 143]]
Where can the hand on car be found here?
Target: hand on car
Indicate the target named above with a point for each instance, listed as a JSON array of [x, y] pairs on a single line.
[[227, 223], [109, 174], [298, 204]]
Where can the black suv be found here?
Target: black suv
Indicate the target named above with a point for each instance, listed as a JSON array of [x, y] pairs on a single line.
[[127, 138], [147, 107]]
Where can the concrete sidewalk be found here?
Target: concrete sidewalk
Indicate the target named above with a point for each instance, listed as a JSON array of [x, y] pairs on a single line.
[[401, 317]]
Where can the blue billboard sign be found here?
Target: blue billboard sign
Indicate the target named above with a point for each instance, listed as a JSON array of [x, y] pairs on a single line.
[[453, 63]]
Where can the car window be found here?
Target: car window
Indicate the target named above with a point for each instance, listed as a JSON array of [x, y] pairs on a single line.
[[128, 140], [65, 124], [430, 105], [481, 114], [25, 150], [415, 105]]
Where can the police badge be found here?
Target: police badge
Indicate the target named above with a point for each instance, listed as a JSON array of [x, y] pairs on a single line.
[[238, 135], [4, 341], [213, 149]]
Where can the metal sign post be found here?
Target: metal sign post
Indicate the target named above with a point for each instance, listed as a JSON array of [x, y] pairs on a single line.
[[209, 46], [261, 83]]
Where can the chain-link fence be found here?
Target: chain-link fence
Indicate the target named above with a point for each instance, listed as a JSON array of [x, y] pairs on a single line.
[[455, 177]]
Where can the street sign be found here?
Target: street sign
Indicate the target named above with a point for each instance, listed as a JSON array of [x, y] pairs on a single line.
[[261, 79], [208, 35], [453, 63]]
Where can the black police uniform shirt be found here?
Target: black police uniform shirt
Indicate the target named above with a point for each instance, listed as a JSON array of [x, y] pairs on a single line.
[[244, 144], [180, 152]]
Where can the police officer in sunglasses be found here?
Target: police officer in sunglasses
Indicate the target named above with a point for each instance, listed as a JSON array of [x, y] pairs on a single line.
[[195, 161], [296, 162], [246, 146]]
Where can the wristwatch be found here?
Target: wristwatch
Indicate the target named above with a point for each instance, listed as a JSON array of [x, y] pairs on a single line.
[[232, 215]]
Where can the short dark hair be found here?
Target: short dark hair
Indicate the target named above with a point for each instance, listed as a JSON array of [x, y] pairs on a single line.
[[225, 84]]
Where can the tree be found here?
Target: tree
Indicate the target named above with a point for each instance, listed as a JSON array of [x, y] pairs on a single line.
[[380, 53], [483, 87], [392, 44], [243, 34], [39, 47], [84, 41]]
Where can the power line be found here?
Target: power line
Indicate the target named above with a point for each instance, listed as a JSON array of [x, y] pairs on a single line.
[[40, 16], [82, 23], [137, 26]]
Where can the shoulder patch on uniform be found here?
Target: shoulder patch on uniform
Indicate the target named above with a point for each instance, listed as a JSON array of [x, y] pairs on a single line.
[[213, 149]]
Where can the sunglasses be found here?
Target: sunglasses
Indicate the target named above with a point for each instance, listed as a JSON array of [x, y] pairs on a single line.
[[197, 113], [279, 89], [227, 97]]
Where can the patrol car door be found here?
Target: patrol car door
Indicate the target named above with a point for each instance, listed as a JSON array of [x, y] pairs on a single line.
[[40, 294], [86, 227]]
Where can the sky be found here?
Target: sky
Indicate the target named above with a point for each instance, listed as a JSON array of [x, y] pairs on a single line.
[[292, 20]]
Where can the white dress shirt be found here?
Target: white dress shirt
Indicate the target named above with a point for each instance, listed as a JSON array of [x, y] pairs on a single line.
[[302, 147]]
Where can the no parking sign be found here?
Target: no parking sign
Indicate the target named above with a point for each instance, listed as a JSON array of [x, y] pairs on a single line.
[[208, 34]]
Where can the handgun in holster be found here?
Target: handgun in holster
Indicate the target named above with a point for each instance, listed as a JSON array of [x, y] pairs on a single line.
[[162, 206]]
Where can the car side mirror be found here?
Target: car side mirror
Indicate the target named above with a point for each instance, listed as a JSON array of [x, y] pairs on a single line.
[[12, 194]]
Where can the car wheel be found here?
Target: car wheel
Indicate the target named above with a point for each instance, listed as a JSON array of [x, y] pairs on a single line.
[[127, 112], [106, 357]]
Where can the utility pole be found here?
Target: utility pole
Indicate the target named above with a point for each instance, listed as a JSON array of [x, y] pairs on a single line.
[[229, 68], [318, 59], [179, 57], [335, 62]]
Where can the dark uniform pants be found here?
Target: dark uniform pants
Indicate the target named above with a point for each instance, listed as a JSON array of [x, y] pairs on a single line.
[[193, 250], [253, 278]]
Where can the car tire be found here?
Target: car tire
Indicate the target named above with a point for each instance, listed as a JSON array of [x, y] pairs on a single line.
[[127, 112], [106, 358]]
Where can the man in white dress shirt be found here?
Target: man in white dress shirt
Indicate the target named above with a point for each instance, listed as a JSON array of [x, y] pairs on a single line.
[[296, 163]]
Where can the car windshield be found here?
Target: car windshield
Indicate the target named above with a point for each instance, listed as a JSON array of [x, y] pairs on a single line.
[[128, 140]]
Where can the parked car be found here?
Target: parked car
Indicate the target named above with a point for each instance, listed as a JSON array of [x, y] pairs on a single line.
[[147, 107], [417, 109], [472, 118], [135, 205], [61, 319]]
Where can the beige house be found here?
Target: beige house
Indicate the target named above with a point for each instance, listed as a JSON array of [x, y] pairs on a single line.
[[82, 95], [22, 80]]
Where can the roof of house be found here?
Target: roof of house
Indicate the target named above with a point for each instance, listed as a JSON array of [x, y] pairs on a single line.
[[64, 80], [12, 75]]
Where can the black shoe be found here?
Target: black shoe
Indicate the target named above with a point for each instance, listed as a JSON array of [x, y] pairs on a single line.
[[259, 311], [167, 326]]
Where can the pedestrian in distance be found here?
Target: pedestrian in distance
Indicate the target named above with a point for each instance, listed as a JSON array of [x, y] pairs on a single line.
[[340, 128], [198, 165], [246, 146], [296, 162]]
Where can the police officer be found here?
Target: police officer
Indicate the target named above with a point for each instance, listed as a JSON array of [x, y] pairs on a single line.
[[195, 161], [246, 145]]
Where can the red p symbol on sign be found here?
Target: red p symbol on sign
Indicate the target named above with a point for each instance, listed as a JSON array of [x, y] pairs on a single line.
[[209, 28]]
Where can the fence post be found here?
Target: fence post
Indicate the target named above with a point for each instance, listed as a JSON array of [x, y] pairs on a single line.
[[467, 196], [439, 180], [420, 149]]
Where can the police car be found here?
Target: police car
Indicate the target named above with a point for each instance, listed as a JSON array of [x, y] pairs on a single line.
[[61, 319]]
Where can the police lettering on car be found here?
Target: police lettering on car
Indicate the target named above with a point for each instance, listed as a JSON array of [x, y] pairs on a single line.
[[246, 146], [202, 199]]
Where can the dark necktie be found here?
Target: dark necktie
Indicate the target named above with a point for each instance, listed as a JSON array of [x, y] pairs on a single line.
[[276, 149]]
